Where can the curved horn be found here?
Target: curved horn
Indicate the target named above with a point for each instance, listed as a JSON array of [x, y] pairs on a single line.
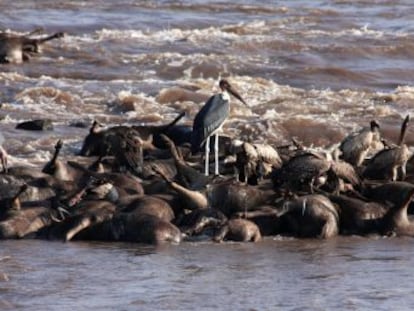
[[403, 132]]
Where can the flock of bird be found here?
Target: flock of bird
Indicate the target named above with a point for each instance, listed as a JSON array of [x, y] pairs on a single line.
[[151, 184]]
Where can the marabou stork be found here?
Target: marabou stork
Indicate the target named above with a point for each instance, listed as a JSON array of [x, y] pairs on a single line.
[[209, 120]]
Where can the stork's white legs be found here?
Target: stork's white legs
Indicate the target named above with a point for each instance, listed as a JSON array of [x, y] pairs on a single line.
[[207, 156], [216, 159], [216, 155]]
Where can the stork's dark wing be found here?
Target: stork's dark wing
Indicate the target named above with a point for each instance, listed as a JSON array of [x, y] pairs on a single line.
[[208, 119]]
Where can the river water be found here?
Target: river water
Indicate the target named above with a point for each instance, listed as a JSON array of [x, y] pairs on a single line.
[[314, 70], [350, 273]]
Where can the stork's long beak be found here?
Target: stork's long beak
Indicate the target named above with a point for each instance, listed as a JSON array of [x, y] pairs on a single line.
[[236, 94]]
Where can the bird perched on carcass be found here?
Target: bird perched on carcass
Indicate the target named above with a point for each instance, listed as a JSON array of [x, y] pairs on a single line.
[[386, 163], [342, 175], [356, 146], [209, 120], [303, 170], [254, 161]]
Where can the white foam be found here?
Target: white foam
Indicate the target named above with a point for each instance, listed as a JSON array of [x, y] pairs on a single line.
[[253, 29]]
